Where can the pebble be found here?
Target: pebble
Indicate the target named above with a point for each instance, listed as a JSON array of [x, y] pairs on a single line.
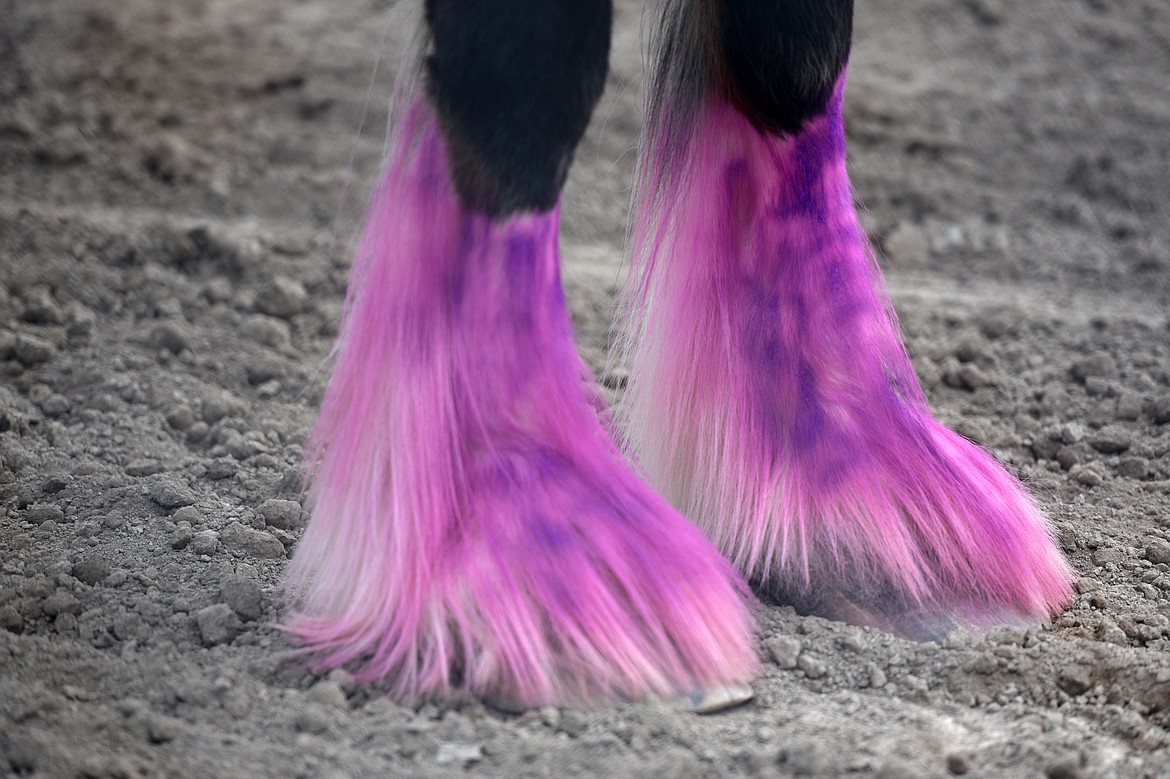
[[56, 406], [312, 719], [464, 754], [161, 729], [188, 514], [264, 369], [92, 570], [282, 514], [181, 417], [181, 537], [53, 485], [11, 619], [551, 716], [218, 404], [329, 693], [573, 722], [813, 666], [144, 468], [1075, 680], [218, 624], [256, 543], [171, 494], [30, 350], [40, 308], [1129, 406], [958, 764], [44, 512], [243, 595], [61, 602], [170, 336], [1100, 365], [972, 377], [1111, 441], [1085, 475], [205, 542], [1158, 551], [1134, 468], [1160, 409], [784, 651], [282, 297], [267, 331]]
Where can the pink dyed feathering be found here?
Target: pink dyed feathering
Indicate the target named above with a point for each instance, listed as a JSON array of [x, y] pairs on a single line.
[[474, 531], [772, 401]]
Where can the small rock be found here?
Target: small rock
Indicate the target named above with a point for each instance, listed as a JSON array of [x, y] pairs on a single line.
[[1108, 555], [1159, 409], [40, 308], [282, 514], [551, 716], [170, 336], [197, 432], [958, 764], [218, 624], [11, 619], [205, 542], [329, 694], [1085, 475], [92, 570], [264, 369], [1069, 456], [243, 595], [1111, 441], [784, 651], [219, 404], [188, 514], [172, 494], [60, 602], [1100, 365], [144, 468], [282, 297], [256, 543], [181, 537], [1075, 680], [463, 754], [161, 729], [972, 377], [267, 330], [1072, 433], [574, 723], [222, 468], [1158, 551], [311, 719], [44, 512], [30, 350], [1129, 406], [181, 417], [813, 666], [53, 485], [1134, 468], [56, 406]]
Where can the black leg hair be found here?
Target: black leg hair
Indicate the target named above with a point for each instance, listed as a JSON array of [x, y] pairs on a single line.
[[514, 83], [781, 59]]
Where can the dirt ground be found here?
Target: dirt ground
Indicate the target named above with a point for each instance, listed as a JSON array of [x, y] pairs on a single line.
[[169, 182]]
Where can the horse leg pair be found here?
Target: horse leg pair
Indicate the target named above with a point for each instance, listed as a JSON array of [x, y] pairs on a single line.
[[474, 529]]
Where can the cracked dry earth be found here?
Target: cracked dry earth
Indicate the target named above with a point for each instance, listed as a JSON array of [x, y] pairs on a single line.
[[169, 181]]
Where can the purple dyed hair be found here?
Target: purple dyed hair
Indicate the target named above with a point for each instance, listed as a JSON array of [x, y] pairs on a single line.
[[770, 396]]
